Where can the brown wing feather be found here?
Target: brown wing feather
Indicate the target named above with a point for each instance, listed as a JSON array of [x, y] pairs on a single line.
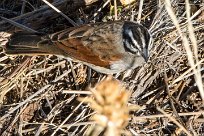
[[75, 49], [81, 43]]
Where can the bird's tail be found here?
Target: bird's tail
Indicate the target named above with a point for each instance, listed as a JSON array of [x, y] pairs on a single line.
[[24, 43]]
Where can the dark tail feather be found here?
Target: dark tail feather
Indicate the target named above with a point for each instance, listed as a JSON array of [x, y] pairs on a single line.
[[24, 43]]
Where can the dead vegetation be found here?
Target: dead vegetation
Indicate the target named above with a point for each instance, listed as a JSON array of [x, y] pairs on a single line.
[[39, 94]]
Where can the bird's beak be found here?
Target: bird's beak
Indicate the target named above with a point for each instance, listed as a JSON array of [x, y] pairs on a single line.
[[145, 55]]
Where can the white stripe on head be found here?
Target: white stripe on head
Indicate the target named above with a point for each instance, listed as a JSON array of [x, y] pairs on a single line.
[[142, 38], [129, 46], [134, 41]]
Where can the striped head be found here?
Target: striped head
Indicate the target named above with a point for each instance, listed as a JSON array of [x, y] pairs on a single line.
[[136, 39]]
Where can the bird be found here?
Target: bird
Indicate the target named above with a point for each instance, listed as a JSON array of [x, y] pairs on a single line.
[[107, 47]]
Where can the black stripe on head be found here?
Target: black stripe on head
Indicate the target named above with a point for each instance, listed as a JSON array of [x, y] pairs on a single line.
[[146, 36]]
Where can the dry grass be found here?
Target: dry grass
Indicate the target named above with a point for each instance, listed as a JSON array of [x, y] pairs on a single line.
[[39, 94], [110, 102]]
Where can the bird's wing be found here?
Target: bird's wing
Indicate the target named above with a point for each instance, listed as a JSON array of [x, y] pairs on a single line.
[[89, 43]]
